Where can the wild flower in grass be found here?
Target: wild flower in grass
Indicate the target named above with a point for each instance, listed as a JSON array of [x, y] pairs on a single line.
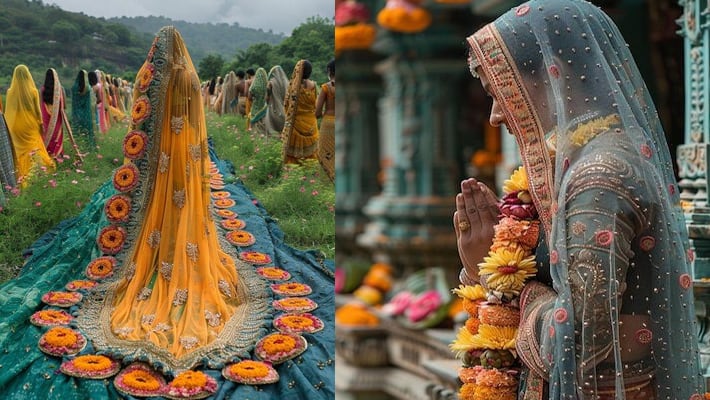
[[314, 193], [115, 160], [15, 191], [74, 181], [251, 167], [66, 156], [99, 156], [52, 183], [78, 204], [312, 181], [60, 160], [302, 189], [80, 171], [38, 204]]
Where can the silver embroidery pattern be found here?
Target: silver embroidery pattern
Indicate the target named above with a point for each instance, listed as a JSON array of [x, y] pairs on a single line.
[[179, 198], [176, 123], [187, 169], [123, 332], [195, 151], [148, 319], [188, 342], [144, 294], [213, 319], [154, 239], [131, 270], [225, 288], [180, 297], [192, 251], [166, 270], [163, 163], [161, 327]]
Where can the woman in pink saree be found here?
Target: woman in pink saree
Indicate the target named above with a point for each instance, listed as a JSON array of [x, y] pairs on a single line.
[[52, 107]]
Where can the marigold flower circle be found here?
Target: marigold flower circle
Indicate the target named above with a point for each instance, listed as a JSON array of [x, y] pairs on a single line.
[[224, 203], [50, 318], [273, 273], [226, 214], [221, 194], [118, 208], [111, 239], [101, 268], [135, 144], [191, 385], [80, 284], [255, 257], [233, 223], [145, 77], [141, 110], [295, 304], [139, 379], [298, 323], [60, 341], [354, 37], [279, 347], [240, 238], [126, 178], [251, 372], [291, 289], [90, 367], [399, 19], [61, 299]]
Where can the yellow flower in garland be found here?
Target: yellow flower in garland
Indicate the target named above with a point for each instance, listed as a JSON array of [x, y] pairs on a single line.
[[518, 181], [463, 342], [505, 271], [476, 292], [489, 337]]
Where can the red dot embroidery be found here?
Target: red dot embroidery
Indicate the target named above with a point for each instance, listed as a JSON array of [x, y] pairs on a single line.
[[646, 151], [647, 243], [554, 71], [522, 10], [644, 336], [554, 257], [685, 281], [560, 315]]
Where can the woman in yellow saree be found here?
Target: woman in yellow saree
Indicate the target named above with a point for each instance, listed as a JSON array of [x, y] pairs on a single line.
[[300, 133], [326, 143], [24, 122]]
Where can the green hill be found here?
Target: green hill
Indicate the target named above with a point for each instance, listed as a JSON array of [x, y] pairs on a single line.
[[205, 38]]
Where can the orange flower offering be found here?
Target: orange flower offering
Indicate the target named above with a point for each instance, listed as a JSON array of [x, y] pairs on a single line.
[[295, 304], [355, 314], [279, 347], [61, 341], [51, 318], [101, 268], [90, 367], [220, 195], [511, 232], [224, 203], [251, 372], [141, 110], [227, 214], [145, 77], [134, 144], [61, 299], [240, 238], [354, 37], [117, 208], [273, 273], [255, 257], [401, 16], [80, 284], [233, 223], [111, 239], [125, 178], [191, 385], [140, 380], [291, 289], [298, 323], [379, 277]]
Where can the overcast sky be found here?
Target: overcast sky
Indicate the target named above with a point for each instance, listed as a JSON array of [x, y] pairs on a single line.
[[278, 15]]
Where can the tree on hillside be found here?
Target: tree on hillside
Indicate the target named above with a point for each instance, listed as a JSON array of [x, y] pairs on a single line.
[[65, 32], [211, 66]]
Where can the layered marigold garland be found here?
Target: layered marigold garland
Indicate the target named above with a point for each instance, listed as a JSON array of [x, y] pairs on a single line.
[[486, 344]]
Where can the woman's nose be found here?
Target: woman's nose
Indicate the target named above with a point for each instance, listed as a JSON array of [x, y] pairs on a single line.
[[496, 118]]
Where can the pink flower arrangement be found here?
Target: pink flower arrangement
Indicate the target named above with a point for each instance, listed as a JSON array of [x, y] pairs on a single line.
[[423, 306], [516, 206], [399, 304]]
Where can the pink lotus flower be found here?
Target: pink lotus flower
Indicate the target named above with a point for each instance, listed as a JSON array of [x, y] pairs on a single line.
[[399, 303], [423, 306]]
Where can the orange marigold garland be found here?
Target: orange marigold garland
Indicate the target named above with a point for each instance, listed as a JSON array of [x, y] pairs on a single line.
[[61, 341], [51, 318], [355, 314], [90, 367], [80, 284], [279, 347], [139, 380], [354, 37], [134, 144], [227, 214], [111, 239], [191, 385], [232, 224], [61, 299], [291, 289], [101, 268], [118, 208], [222, 194], [273, 273], [295, 304], [224, 203], [141, 110], [404, 16], [255, 257], [145, 77], [250, 372], [125, 178], [298, 323], [240, 238]]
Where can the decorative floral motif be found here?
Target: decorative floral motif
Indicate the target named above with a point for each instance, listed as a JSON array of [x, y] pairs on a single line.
[[291, 289], [135, 144], [80, 284], [251, 372], [240, 238], [61, 299], [505, 271], [163, 162], [232, 223], [213, 319], [273, 273], [685, 281], [604, 238], [522, 10], [145, 77], [179, 198], [644, 336], [51, 318], [647, 243], [141, 110], [224, 203], [139, 380], [166, 270], [188, 342], [111, 239], [153, 239], [255, 257], [101, 268], [227, 214], [191, 385], [125, 178], [90, 367], [180, 297], [279, 347], [560, 315], [148, 319], [118, 208], [646, 151], [195, 151], [295, 304], [193, 252], [554, 257], [298, 323], [225, 287], [61, 341], [144, 294], [176, 124], [554, 71]]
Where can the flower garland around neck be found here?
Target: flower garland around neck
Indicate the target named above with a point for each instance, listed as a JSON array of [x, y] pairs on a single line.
[[486, 344]]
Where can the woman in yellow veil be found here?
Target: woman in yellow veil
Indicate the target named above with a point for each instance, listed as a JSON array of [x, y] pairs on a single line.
[[24, 121], [300, 133]]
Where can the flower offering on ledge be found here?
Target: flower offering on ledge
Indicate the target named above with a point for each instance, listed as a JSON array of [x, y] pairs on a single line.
[[251, 372], [404, 16], [191, 385], [140, 380], [352, 30], [90, 367]]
